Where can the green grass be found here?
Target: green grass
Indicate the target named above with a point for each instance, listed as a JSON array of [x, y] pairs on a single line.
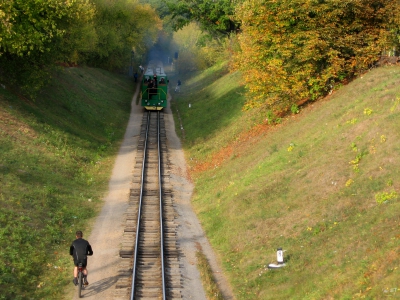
[[207, 277], [221, 93], [323, 185], [56, 158]]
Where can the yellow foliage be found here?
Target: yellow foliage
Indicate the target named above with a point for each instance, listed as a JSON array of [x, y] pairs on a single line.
[[294, 51]]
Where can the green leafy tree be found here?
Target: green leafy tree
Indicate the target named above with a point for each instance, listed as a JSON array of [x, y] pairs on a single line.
[[195, 51], [34, 35], [215, 17], [160, 7], [29, 26], [122, 26], [163, 11], [37, 35]]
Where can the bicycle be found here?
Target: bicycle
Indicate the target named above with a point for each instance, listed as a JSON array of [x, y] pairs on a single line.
[[81, 284]]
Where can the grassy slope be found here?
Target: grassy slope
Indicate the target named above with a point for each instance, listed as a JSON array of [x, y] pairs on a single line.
[[56, 155], [310, 185]]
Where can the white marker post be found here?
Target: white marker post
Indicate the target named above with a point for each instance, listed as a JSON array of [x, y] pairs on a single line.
[[279, 256], [280, 262]]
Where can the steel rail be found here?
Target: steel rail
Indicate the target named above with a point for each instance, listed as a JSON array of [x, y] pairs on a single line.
[[161, 205], [160, 191], [139, 208]]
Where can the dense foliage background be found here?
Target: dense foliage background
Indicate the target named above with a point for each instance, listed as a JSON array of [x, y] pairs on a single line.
[[289, 52], [37, 36]]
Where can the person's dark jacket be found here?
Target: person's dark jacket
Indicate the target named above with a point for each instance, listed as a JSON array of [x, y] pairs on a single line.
[[80, 249]]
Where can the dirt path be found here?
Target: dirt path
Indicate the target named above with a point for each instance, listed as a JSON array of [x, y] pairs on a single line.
[[107, 230]]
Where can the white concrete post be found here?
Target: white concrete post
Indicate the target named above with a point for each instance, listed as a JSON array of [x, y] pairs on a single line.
[[279, 256]]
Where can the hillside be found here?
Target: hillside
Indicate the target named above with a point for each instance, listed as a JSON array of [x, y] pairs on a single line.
[[56, 156], [323, 184]]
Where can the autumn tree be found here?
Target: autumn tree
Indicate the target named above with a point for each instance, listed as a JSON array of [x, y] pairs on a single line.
[[295, 51]]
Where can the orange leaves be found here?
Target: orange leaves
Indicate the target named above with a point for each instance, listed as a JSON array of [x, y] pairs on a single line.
[[241, 145]]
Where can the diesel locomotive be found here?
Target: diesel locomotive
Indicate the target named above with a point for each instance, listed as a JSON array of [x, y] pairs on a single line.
[[154, 87]]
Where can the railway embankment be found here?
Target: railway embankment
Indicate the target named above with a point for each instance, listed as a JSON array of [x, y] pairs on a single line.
[[56, 157], [322, 183]]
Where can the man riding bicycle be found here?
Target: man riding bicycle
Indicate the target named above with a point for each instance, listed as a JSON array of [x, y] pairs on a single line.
[[79, 250]]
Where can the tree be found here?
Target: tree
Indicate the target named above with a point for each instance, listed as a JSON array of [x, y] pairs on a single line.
[[29, 26], [159, 6], [194, 51], [215, 17], [37, 35], [32, 38], [295, 51], [121, 26]]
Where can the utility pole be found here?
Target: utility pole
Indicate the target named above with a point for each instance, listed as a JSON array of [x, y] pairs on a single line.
[[131, 67], [176, 60]]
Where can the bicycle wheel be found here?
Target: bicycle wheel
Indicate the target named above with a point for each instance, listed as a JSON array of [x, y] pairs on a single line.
[[80, 283]]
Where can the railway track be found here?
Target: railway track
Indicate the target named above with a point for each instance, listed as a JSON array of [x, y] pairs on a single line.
[[150, 256]]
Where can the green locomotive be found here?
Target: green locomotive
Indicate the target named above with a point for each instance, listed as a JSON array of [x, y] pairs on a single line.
[[154, 87]]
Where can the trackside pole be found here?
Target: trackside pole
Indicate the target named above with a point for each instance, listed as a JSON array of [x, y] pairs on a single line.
[[279, 258]]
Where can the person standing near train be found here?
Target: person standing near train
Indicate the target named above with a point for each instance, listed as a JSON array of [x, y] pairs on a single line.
[[150, 88], [155, 80], [178, 86]]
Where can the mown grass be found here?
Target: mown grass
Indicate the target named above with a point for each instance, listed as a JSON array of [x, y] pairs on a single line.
[[323, 185], [56, 158]]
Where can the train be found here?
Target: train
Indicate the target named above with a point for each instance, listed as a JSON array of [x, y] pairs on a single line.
[[154, 87]]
